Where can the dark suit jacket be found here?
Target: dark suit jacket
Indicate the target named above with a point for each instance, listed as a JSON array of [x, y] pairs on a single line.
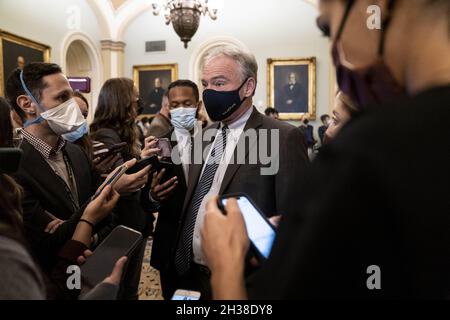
[[169, 214], [45, 191], [273, 194]]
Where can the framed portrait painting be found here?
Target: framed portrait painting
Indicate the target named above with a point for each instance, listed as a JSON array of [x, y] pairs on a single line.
[[292, 87], [152, 81], [15, 52]]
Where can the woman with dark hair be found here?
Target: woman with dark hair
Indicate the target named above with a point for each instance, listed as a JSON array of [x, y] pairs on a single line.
[[115, 122], [6, 129]]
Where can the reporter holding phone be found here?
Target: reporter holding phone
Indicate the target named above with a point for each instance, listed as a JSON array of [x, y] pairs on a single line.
[[114, 123], [56, 175], [386, 201], [21, 278]]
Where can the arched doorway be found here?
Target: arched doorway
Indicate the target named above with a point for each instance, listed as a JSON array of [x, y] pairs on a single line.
[[81, 59]]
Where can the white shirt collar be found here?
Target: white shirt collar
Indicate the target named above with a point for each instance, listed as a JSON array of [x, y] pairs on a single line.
[[238, 126]]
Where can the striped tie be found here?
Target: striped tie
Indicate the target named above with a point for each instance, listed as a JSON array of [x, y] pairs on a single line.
[[183, 254]]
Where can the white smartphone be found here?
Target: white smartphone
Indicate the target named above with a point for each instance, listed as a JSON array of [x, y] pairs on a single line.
[[260, 231], [186, 295]]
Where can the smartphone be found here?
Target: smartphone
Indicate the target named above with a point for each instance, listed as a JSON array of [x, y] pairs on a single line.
[[120, 242], [166, 148], [141, 164], [10, 159], [107, 151], [112, 180], [260, 231], [186, 295]]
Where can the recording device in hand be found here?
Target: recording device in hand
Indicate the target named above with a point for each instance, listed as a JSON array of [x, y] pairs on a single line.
[[166, 148], [112, 180], [120, 242], [143, 163], [260, 231]]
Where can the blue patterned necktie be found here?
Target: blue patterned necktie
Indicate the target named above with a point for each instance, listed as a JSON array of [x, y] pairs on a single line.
[[183, 254]]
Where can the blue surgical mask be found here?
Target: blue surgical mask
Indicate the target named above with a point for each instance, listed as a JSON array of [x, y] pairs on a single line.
[[77, 134], [183, 118]]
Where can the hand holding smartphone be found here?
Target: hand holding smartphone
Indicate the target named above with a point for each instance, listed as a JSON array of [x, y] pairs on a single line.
[[166, 148], [143, 163], [120, 242], [260, 231], [111, 180]]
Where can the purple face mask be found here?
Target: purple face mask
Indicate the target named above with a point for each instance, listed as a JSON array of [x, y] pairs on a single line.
[[371, 85]]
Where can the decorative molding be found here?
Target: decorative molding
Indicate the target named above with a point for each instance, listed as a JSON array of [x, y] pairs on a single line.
[[200, 51], [113, 45]]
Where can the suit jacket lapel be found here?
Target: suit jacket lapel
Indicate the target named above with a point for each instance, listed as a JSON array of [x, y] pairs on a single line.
[[35, 165], [195, 169], [254, 122], [78, 174]]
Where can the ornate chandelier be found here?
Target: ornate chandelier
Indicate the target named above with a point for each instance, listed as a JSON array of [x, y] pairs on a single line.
[[184, 15]]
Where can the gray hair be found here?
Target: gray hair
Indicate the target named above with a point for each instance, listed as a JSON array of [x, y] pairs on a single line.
[[245, 60]]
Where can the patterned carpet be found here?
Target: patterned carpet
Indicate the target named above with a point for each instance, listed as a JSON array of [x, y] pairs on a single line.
[[149, 287]]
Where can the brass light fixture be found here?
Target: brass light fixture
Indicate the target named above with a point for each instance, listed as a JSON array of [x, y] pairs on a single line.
[[184, 15]]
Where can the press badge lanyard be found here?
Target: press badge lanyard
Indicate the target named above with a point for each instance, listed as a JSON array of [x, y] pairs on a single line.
[[71, 180]]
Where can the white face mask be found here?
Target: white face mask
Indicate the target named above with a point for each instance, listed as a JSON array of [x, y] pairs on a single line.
[[183, 118], [64, 118]]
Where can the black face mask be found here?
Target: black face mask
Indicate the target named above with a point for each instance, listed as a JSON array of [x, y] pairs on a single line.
[[222, 104]]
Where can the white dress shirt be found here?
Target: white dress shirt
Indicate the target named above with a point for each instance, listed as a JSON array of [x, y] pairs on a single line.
[[184, 145], [184, 149], [234, 133]]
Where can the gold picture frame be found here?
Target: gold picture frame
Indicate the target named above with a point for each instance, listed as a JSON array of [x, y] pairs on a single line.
[[145, 76], [14, 47], [291, 87]]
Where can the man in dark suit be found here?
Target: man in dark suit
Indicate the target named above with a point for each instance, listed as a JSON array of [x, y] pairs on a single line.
[[229, 162], [169, 186], [56, 176]]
